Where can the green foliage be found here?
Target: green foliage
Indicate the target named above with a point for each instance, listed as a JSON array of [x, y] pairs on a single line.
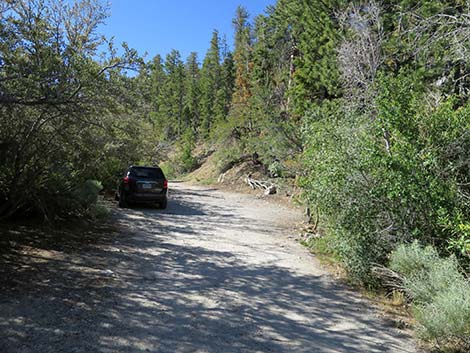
[[225, 157], [426, 274], [99, 211], [445, 320], [60, 109], [441, 294], [170, 116], [315, 29], [192, 97], [210, 83], [80, 200], [186, 158], [422, 173], [87, 193], [224, 94], [335, 175], [389, 180], [459, 230], [168, 168], [323, 246], [276, 169], [240, 112], [412, 260]]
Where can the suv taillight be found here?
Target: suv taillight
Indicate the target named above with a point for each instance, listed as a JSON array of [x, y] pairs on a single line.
[[126, 180], [165, 184]]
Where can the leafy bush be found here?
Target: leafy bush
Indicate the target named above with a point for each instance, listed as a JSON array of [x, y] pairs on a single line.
[[339, 183], [382, 181], [98, 210], [66, 133], [440, 292], [225, 157], [413, 260], [87, 193], [61, 198], [186, 160], [276, 169], [168, 169], [446, 320]]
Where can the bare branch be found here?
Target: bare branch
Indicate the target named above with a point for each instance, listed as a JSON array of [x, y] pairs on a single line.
[[360, 54]]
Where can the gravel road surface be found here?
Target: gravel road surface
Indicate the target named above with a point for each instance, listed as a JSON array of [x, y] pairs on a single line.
[[215, 272]]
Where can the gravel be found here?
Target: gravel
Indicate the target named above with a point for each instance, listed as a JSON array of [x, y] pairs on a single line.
[[214, 272]]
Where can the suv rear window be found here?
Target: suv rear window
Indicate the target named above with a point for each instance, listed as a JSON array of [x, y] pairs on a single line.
[[151, 173]]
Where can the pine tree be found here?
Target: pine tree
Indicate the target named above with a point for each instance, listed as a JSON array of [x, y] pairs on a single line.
[[316, 75], [240, 110], [300, 39], [157, 79], [210, 82], [225, 91], [270, 80], [192, 93], [171, 97]]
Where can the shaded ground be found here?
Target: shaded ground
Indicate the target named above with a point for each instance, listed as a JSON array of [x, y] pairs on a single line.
[[215, 272]]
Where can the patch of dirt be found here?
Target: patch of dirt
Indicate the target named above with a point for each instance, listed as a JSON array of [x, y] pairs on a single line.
[[215, 272], [234, 180], [26, 248], [207, 172], [392, 311]]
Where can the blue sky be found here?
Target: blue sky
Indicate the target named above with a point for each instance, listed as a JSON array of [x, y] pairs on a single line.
[[157, 26]]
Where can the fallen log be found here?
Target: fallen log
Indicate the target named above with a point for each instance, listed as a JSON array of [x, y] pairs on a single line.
[[221, 178], [391, 280], [269, 187]]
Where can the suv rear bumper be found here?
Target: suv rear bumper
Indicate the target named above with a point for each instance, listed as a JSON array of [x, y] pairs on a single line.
[[145, 197]]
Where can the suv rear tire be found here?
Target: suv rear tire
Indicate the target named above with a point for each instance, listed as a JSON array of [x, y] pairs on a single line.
[[122, 202], [162, 205]]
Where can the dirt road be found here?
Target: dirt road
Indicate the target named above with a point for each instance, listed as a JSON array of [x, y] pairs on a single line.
[[215, 272]]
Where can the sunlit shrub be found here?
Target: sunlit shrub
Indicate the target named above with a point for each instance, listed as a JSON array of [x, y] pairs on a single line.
[[440, 293]]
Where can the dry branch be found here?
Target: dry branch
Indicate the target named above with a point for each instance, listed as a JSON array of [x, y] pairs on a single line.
[[269, 187], [390, 280]]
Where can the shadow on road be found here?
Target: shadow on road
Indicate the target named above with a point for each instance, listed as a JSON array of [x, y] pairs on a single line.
[[138, 291]]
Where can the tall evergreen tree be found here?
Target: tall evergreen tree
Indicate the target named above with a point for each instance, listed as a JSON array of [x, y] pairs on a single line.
[[316, 75], [171, 97], [240, 111], [157, 79], [269, 102], [193, 93], [225, 91], [210, 82]]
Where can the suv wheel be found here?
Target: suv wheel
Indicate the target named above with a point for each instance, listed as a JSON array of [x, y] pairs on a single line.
[[122, 201], [162, 205]]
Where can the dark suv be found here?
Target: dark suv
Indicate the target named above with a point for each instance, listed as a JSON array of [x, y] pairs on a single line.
[[143, 185]]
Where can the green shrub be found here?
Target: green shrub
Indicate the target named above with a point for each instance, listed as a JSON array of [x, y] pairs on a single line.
[[186, 160], [168, 169], [426, 274], [98, 210], [226, 156], [440, 292], [360, 256], [87, 193], [338, 183], [385, 178], [446, 320], [183, 160], [276, 169], [413, 260], [108, 171]]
